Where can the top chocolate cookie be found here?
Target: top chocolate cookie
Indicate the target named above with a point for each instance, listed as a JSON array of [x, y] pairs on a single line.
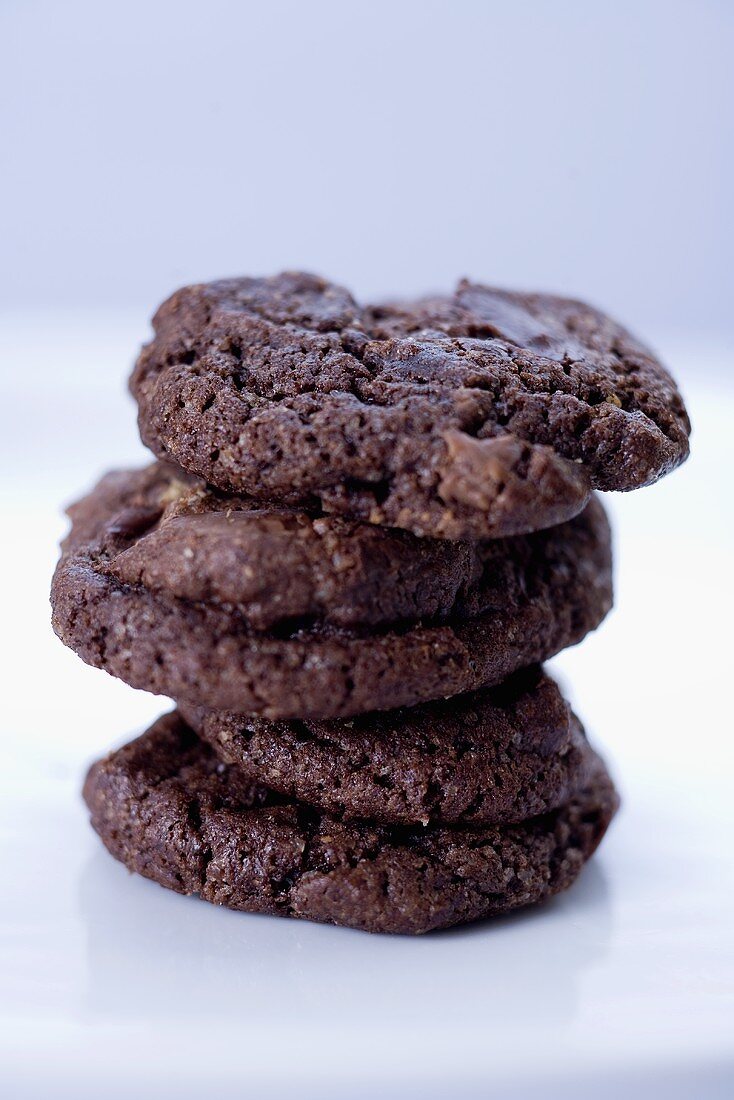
[[477, 415]]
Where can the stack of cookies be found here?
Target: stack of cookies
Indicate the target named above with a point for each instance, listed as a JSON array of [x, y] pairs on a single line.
[[365, 530]]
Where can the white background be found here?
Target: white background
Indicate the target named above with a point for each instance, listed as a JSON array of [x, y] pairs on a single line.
[[390, 144], [581, 147]]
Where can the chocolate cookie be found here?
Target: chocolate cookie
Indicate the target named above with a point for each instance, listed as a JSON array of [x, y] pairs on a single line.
[[155, 629], [169, 809], [170, 533], [494, 756], [480, 414]]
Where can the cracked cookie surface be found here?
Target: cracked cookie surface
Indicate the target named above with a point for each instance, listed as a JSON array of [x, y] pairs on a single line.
[[498, 755], [169, 622], [166, 807], [480, 414]]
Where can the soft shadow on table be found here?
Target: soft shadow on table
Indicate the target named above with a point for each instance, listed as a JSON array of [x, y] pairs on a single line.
[[153, 954]]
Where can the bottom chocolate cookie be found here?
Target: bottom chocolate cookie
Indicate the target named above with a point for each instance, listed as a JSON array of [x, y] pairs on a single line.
[[169, 809]]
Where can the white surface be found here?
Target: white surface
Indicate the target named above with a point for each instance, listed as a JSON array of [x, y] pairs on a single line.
[[112, 986]]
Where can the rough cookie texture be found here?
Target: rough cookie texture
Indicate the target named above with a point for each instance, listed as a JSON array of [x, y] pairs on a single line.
[[537, 594], [169, 809], [170, 533], [499, 755], [480, 414]]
